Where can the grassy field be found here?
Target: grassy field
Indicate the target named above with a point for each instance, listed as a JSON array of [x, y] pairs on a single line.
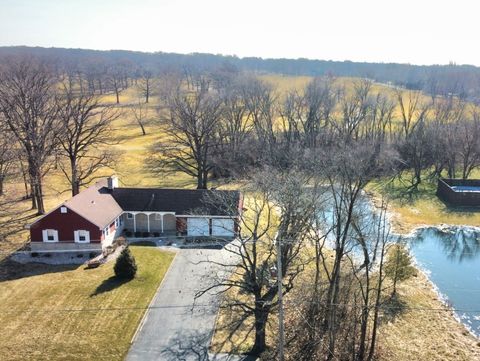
[[80, 335], [69, 313], [424, 208]]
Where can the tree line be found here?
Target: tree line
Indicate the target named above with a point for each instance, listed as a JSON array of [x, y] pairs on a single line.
[[45, 124], [223, 131], [102, 70], [305, 156]]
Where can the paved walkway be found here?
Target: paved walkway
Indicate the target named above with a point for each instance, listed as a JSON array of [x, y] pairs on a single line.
[[175, 328]]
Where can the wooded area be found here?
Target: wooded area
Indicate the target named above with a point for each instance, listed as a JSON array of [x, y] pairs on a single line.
[[305, 157]]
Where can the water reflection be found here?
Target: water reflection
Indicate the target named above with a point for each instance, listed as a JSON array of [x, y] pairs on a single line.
[[458, 243], [451, 257]]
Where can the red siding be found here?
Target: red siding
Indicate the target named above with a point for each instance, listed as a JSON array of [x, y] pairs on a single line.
[[65, 224]]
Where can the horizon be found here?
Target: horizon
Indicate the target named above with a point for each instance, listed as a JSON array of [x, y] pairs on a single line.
[[371, 31], [236, 56]]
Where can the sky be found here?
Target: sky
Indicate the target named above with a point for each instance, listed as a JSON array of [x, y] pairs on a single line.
[[404, 31]]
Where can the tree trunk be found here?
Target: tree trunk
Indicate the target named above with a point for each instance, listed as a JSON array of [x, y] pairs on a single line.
[[39, 195], [143, 128], [2, 178], [33, 189], [261, 316], [75, 181], [202, 179]]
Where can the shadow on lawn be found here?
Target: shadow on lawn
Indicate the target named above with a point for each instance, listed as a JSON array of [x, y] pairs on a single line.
[[108, 285], [393, 307], [11, 270]]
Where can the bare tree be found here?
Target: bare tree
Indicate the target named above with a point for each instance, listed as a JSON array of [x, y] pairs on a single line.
[[412, 110], [7, 154], [190, 127], [140, 114], [355, 108], [305, 114], [27, 103], [116, 75], [416, 153], [145, 83], [234, 130], [260, 100], [86, 129], [469, 145], [273, 226]]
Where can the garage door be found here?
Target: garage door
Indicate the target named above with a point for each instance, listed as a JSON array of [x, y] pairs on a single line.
[[198, 227], [223, 227]]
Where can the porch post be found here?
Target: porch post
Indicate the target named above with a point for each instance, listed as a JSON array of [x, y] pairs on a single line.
[[134, 222], [148, 222], [161, 214]]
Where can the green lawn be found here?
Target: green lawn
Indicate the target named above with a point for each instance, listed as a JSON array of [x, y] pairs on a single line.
[[423, 208], [68, 313]]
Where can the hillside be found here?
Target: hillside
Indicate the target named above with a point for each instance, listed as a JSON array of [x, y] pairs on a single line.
[[463, 80]]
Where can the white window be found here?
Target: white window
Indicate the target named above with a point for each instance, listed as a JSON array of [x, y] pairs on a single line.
[[117, 223], [158, 216], [63, 209], [129, 216], [82, 236], [50, 235], [106, 231]]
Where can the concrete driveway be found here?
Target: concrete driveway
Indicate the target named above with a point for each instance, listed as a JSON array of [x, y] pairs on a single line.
[[175, 328]]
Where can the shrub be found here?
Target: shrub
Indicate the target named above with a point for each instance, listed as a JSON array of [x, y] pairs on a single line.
[[92, 255], [138, 234], [128, 233], [125, 266], [120, 241], [145, 234], [156, 234], [399, 266], [34, 254]]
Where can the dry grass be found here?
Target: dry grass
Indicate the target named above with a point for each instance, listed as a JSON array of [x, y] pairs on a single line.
[[422, 209], [68, 313], [105, 335], [425, 335]]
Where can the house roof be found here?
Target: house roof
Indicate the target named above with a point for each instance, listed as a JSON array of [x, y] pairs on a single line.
[[180, 201], [95, 204], [100, 205]]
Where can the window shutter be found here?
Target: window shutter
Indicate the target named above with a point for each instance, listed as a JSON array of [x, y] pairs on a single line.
[[75, 236], [44, 235]]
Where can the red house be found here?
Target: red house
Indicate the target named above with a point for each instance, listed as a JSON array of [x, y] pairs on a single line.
[[96, 216]]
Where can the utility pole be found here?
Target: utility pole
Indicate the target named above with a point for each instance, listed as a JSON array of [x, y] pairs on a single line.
[[281, 336]]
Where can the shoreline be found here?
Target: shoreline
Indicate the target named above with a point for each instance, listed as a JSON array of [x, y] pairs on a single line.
[[443, 323], [442, 298]]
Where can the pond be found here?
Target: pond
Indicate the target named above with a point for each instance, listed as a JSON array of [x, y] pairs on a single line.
[[449, 255], [451, 258]]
